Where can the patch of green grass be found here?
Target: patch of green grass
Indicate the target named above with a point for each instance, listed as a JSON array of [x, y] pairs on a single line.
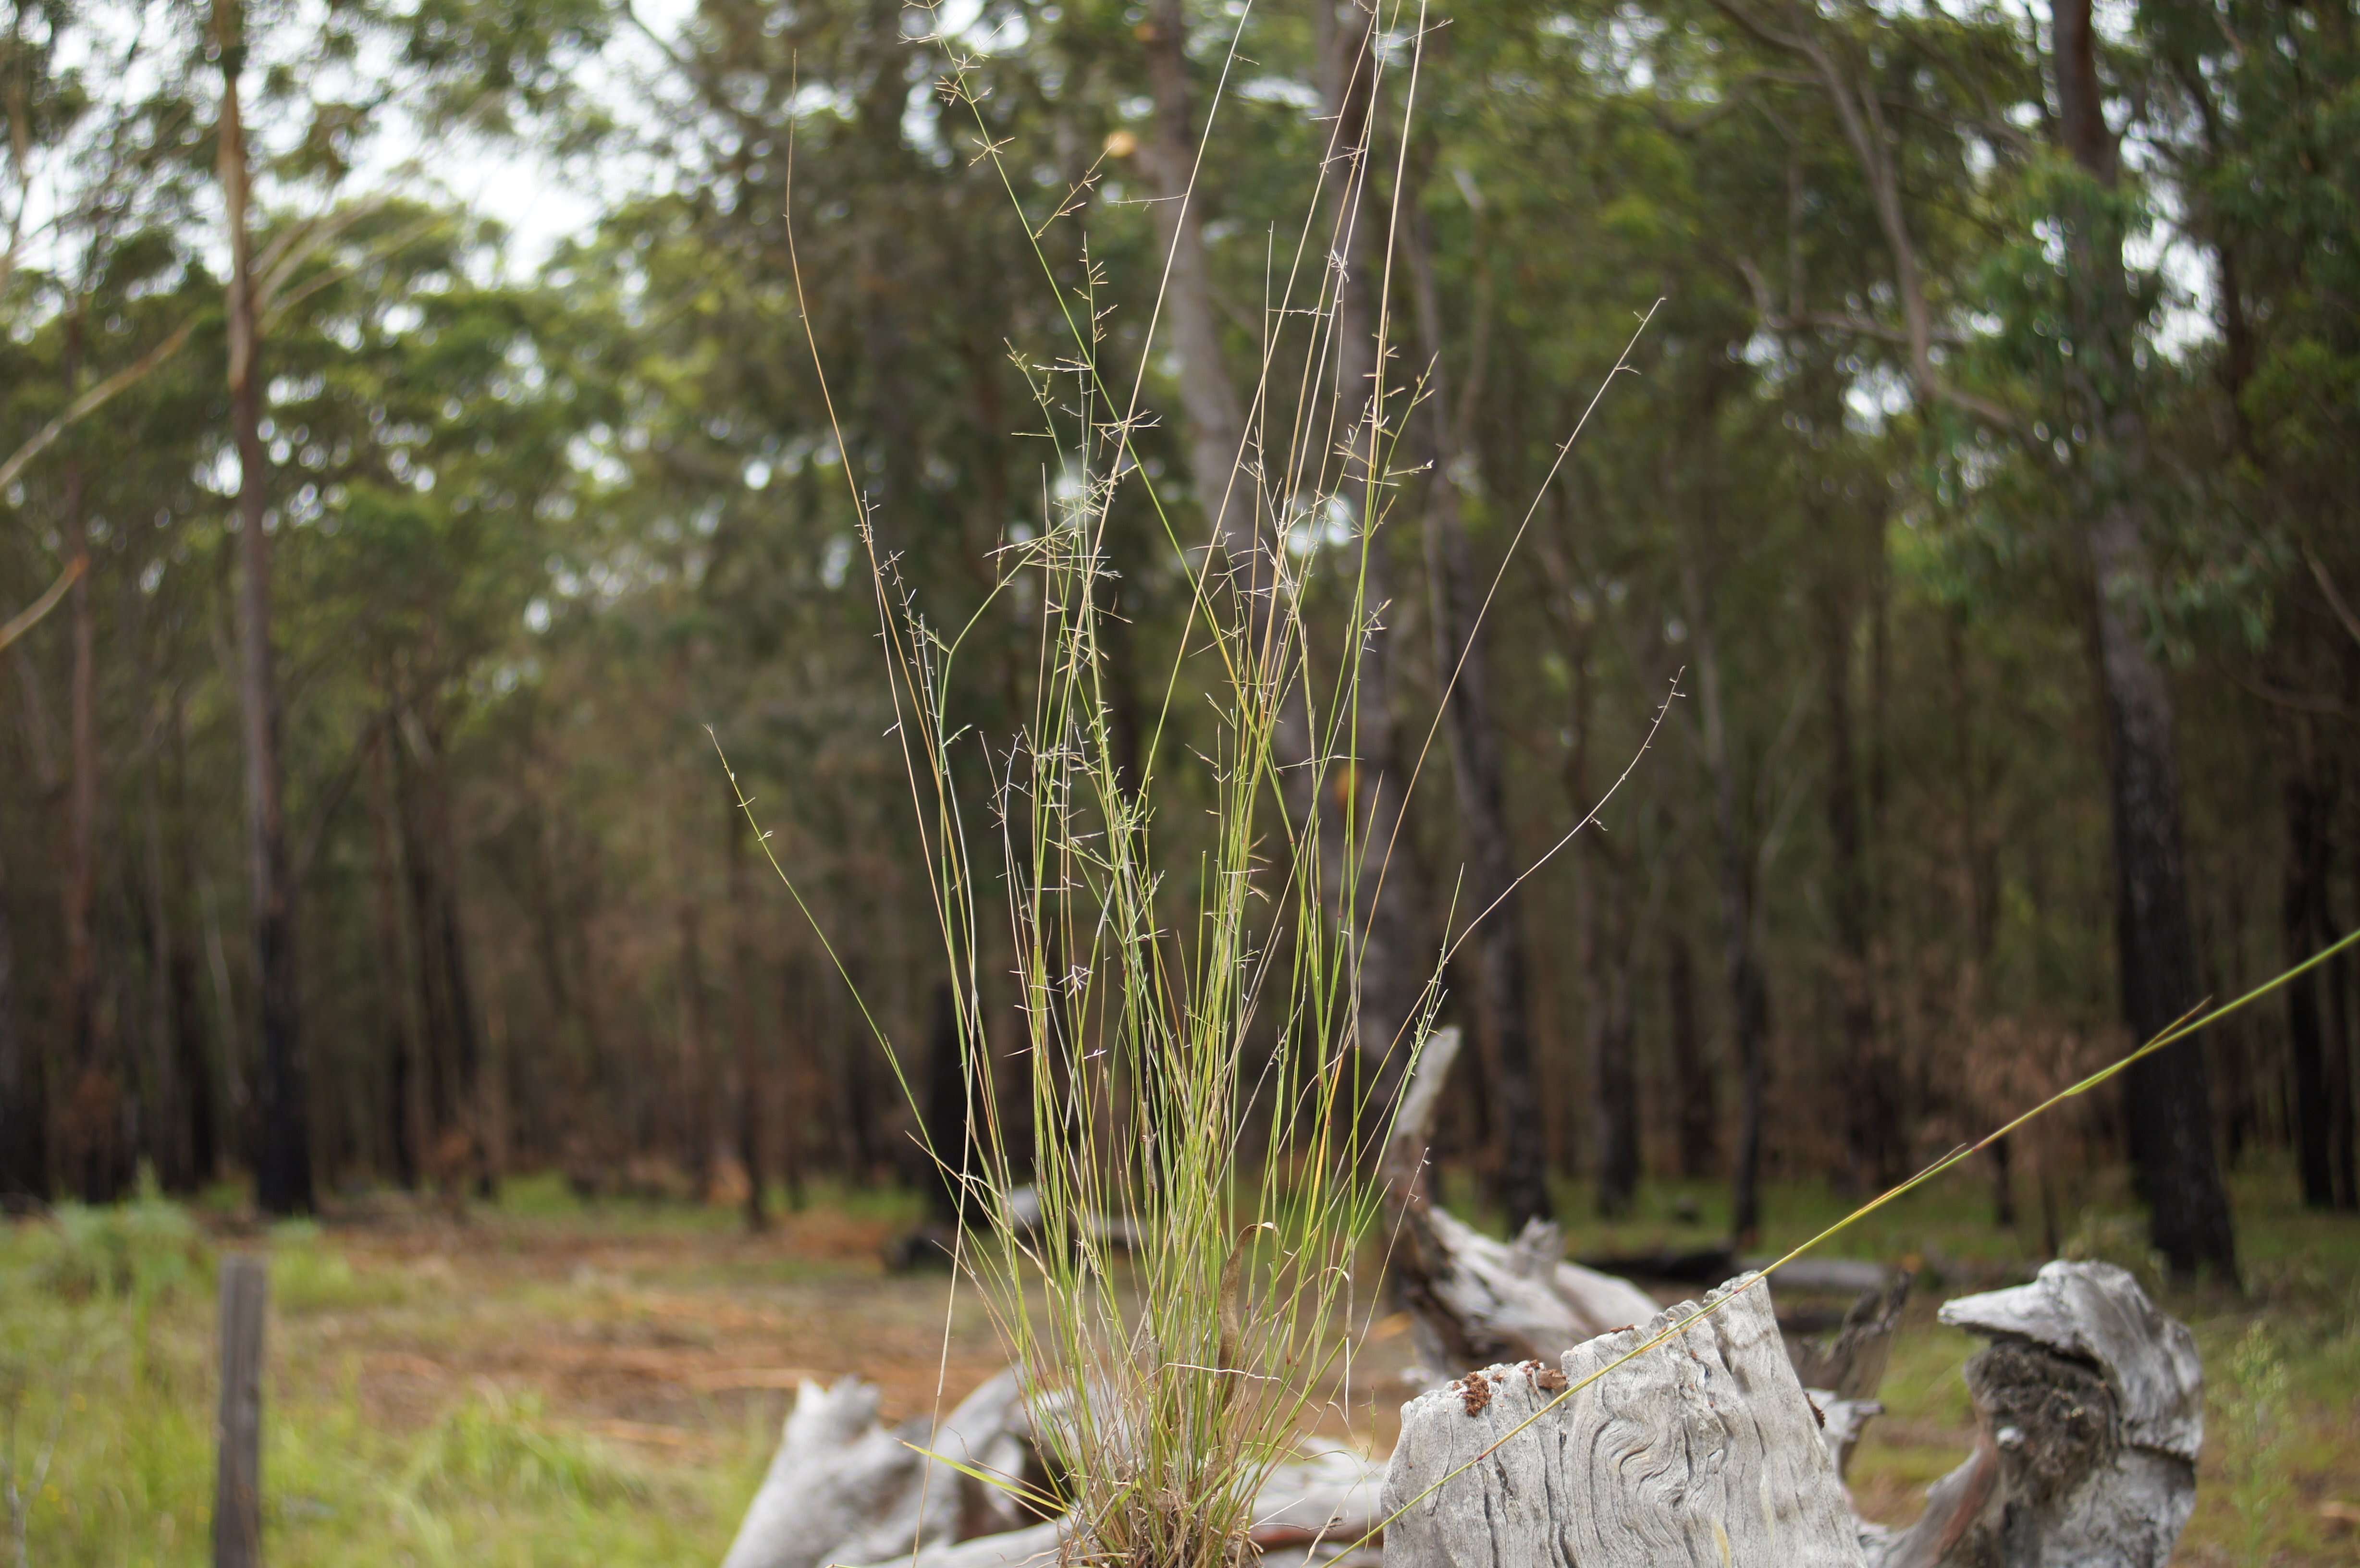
[[106, 1366]]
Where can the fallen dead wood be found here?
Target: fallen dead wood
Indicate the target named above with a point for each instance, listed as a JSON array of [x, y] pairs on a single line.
[[1473, 1299], [1703, 1451], [934, 1243], [845, 1489], [1851, 1365], [2089, 1410]]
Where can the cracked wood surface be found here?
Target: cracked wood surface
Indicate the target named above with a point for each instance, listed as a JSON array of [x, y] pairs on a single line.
[[1702, 1451]]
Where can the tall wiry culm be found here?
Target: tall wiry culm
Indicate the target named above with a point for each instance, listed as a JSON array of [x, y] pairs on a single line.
[[1168, 1378]]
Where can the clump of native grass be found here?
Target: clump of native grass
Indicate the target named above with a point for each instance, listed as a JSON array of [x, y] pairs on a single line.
[[1171, 1309]]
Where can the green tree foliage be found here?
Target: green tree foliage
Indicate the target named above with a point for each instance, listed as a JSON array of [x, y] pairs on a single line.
[[540, 528]]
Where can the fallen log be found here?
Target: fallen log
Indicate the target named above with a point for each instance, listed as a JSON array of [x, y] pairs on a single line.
[[2089, 1410], [1703, 1451], [1473, 1299], [1706, 1450], [844, 1489], [1851, 1366]]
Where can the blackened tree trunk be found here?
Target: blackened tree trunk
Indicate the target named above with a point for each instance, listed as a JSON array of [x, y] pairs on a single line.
[[1983, 875], [1873, 1148], [1462, 673], [94, 1110], [744, 1027], [1608, 938], [947, 1126], [2343, 1066], [1613, 1045], [193, 1071], [2309, 807], [1692, 1076], [2169, 1097], [283, 1158], [397, 991], [1749, 992], [848, 1050], [24, 1141], [697, 1130]]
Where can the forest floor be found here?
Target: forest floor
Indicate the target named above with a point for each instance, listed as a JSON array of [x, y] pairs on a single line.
[[548, 1383]]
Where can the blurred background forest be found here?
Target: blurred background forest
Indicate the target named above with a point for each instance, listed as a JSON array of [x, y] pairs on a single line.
[[1985, 484]]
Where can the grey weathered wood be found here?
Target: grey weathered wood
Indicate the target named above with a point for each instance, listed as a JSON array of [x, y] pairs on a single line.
[[843, 1489], [1035, 1546], [1318, 1505], [1841, 1422], [1851, 1365], [1702, 1451], [1473, 1300], [237, 1476], [2089, 1410]]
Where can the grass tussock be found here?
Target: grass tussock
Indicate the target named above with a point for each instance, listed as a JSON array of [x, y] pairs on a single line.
[[1193, 1077]]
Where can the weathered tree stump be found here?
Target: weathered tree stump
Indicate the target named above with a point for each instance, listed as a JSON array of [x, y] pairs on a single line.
[[1702, 1451], [2089, 1410]]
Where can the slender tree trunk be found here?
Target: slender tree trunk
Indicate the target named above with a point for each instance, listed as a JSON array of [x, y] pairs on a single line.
[[1983, 880], [1749, 993], [2342, 1067], [165, 1134], [1612, 1049], [434, 1074], [24, 1143], [2169, 1097], [1377, 919], [697, 1131], [200, 1105], [751, 1080], [1692, 1076], [1462, 671], [94, 1111], [2308, 811], [1870, 1089], [855, 1095], [946, 1108], [283, 1161], [450, 955], [398, 990]]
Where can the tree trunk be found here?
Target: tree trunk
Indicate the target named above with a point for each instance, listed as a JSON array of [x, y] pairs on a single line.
[[397, 991], [1609, 936], [24, 1122], [1462, 674], [751, 1080], [1749, 993], [194, 1071], [1692, 1076], [2168, 1097], [2309, 809], [2343, 1066], [1875, 1153], [1365, 898], [698, 1133], [283, 1161], [94, 1110]]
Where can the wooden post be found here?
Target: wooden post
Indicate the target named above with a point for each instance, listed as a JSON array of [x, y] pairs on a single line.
[[237, 1494]]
